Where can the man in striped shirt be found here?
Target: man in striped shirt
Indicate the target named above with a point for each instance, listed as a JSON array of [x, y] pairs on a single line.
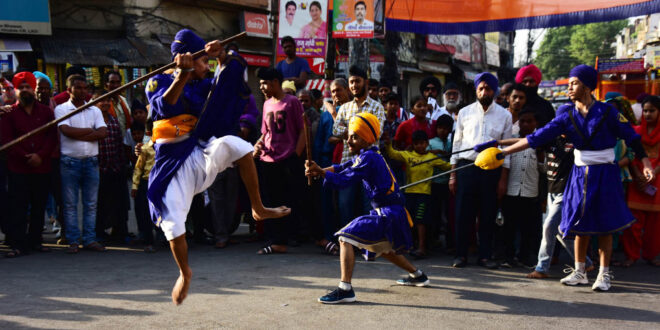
[[357, 83]]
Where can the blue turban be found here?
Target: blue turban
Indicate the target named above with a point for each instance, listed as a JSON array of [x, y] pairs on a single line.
[[586, 74], [611, 96], [41, 75], [186, 41], [489, 79]]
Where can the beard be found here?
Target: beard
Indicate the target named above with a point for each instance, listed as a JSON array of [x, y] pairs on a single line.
[[531, 91], [26, 98], [452, 106], [485, 100], [361, 92]]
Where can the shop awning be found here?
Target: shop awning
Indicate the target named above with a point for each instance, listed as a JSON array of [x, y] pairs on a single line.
[[468, 72], [15, 45], [98, 52], [434, 67], [479, 16]]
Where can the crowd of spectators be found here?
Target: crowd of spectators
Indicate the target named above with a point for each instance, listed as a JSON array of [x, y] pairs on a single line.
[[508, 216]]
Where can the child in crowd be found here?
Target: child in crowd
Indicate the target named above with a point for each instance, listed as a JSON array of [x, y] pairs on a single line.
[[521, 207], [403, 137], [441, 146], [139, 189], [139, 113], [419, 165], [391, 125], [644, 198]]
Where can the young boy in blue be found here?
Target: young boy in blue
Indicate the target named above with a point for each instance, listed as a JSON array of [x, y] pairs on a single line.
[[441, 146], [386, 229], [593, 199]]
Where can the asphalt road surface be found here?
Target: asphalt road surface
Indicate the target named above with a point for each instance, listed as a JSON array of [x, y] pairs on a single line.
[[126, 288]]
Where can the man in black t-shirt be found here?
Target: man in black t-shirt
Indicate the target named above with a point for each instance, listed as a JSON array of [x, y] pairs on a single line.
[[559, 162]]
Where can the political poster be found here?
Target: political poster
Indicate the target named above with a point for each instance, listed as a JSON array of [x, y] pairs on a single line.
[[353, 19], [307, 23]]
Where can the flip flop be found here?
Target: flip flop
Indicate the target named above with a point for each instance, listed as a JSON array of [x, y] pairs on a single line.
[[332, 249], [268, 250], [14, 253]]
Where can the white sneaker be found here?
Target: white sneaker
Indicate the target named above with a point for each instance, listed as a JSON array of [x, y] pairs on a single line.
[[574, 278], [602, 282]]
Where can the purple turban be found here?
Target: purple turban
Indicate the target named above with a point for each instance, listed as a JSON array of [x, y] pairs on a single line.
[[186, 41], [489, 79], [586, 74]]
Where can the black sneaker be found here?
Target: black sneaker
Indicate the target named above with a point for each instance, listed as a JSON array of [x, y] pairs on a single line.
[[338, 296], [421, 280]]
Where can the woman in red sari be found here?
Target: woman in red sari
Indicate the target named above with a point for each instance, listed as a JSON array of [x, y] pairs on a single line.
[[644, 199]]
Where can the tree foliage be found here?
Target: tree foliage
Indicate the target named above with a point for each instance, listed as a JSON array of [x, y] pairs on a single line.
[[553, 56], [567, 46]]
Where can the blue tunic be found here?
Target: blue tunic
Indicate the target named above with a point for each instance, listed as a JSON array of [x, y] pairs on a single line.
[[225, 107], [593, 198], [389, 221]]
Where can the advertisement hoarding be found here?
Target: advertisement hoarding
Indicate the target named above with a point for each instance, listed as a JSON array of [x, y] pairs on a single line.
[[306, 22], [353, 19]]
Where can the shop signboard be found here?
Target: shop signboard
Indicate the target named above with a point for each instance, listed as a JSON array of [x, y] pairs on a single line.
[[256, 25], [456, 45], [25, 17], [623, 65]]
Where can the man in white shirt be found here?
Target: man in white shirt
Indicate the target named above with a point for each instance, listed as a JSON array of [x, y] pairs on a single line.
[[476, 190], [430, 88], [360, 23], [79, 164]]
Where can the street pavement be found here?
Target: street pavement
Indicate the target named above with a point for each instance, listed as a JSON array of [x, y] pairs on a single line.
[[234, 288]]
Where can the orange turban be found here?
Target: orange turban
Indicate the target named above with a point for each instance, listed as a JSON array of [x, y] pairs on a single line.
[[366, 126]]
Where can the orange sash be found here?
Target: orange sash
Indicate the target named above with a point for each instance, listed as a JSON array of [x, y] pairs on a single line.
[[173, 127]]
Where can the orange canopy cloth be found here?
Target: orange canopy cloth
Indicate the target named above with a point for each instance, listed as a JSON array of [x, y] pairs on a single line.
[[478, 16]]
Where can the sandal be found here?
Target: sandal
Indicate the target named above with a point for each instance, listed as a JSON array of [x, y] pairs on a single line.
[[417, 255], [332, 249], [269, 250], [625, 264], [13, 253], [41, 248], [95, 246], [149, 249], [654, 262], [266, 250], [73, 248]]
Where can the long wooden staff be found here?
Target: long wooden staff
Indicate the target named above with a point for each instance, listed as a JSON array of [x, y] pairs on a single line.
[[308, 144], [110, 94]]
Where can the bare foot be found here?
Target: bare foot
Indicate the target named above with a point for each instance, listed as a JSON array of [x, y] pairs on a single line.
[[270, 213], [536, 274], [180, 290]]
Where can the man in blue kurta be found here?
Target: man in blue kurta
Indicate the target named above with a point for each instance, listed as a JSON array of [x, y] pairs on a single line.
[[196, 120], [593, 199], [386, 229]]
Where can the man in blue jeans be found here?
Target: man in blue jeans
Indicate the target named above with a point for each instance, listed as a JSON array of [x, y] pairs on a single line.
[[79, 164], [559, 162]]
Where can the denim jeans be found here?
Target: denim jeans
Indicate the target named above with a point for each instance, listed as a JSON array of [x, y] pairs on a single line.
[[550, 231], [80, 175]]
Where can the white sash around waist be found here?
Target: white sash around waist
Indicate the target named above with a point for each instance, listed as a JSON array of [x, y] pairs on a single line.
[[594, 157]]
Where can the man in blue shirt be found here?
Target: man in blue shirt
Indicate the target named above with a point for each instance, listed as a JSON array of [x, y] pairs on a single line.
[[293, 67]]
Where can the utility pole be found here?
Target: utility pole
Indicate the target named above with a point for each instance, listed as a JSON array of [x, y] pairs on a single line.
[[358, 53]]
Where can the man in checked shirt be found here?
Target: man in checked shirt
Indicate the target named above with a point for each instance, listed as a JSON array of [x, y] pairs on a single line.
[[357, 83]]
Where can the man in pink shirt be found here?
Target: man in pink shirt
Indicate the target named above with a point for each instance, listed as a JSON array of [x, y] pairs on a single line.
[[279, 148]]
